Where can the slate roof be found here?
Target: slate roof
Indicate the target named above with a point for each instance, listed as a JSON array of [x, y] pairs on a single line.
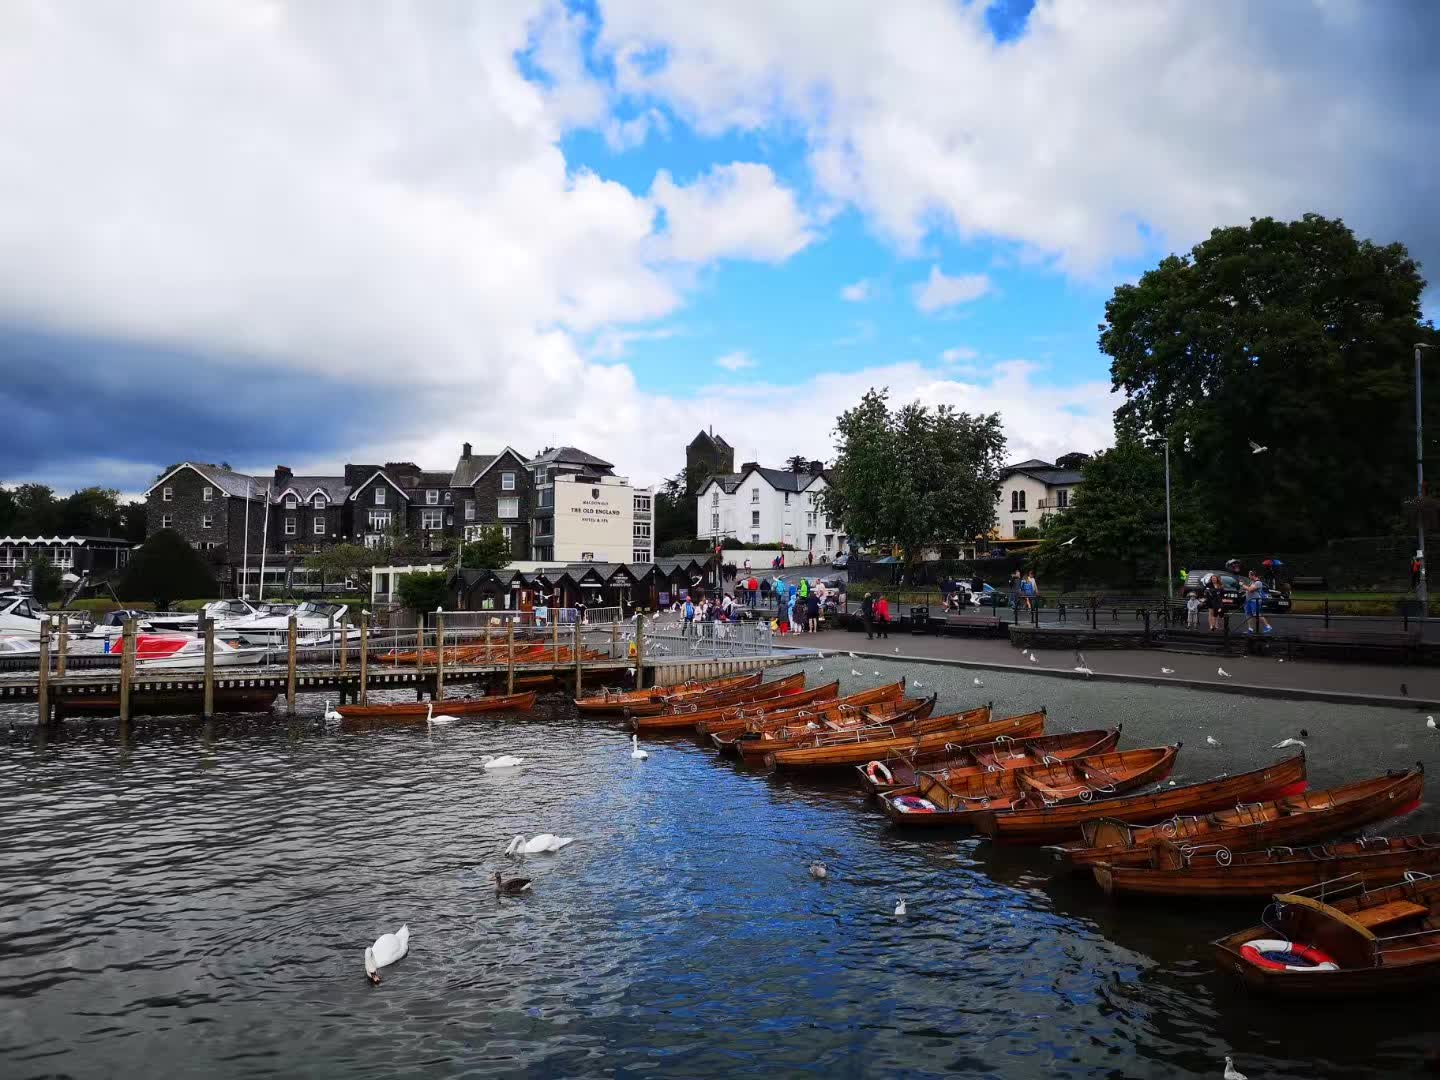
[[1046, 473], [570, 455], [728, 482], [431, 479], [230, 483], [335, 488], [784, 480], [468, 469]]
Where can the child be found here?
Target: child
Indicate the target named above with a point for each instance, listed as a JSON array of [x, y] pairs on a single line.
[[1192, 611]]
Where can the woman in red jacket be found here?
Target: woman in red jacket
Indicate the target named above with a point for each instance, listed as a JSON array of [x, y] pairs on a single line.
[[882, 617]]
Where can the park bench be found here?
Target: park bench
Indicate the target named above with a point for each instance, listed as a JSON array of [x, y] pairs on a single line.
[[1398, 643], [984, 625]]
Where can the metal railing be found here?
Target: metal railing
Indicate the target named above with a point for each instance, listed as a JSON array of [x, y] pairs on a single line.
[[708, 640]]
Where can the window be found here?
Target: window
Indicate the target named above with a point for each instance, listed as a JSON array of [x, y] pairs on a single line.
[[469, 509], [207, 521], [209, 545], [810, 519], [432, 498], [809, 541], [472, 532], [167, 494], [754, 495], [379, 520], [431, 520], [587, 556], [290, 529], [829, 541], [787, 498], [639, 555], [167, 521], [642, 504], [1015, 527], [318, 501], [642, 530], [509, 531], [373, 541], [754, 519], [714, 498], [319, 526], [507, 481], [290, 502], [448, 498], [507, 508], [379, 495], [207, 494], [1017, 501], [714, 523], [754, 538], [1062, 497], [539, 476]]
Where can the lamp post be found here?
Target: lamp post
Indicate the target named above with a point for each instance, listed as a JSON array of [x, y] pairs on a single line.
[[1169, 568], [1421, 592]]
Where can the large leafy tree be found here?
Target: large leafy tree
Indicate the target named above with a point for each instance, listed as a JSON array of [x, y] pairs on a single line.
[[489, 551], [1292, 336], [914, 477], [164, 569], [424, 591], [91, 511], [674, 510], [340, 562], [47, 581], [37, 510]]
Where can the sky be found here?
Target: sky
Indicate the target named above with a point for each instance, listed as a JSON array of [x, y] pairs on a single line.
[[309, 233]]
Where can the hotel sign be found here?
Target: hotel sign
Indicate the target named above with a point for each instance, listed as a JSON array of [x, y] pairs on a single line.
[[593, 520]]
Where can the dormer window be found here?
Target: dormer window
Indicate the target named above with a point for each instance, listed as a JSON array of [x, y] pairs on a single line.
[[432, 497], [290, 502], [318, 502]]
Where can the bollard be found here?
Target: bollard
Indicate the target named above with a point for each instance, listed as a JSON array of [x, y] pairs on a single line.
[[127, 665], [640, 651], [510, 656], [578, 655], [439, 655], [209, 703], [1147, 627], [64, 646], [42, 689], [364, 697], [290, 667], [1094, 614]]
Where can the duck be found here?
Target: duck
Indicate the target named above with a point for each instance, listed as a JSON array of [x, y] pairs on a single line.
[[542, 842], [331, 715], [511, 886], [635, 751], [431, 718], [504, 761], [387, 949]]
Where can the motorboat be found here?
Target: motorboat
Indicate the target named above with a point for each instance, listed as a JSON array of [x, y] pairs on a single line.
[[12, 647], [21, 617], [314, 621], [176, 653]]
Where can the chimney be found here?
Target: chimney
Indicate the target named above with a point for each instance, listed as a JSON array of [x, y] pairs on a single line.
[[282, 475], [748, 465], [816, 468], [465, 451]]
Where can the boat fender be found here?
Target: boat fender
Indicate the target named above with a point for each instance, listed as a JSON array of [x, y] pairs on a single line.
[[913, 804], [878, 773], [1273, 954]]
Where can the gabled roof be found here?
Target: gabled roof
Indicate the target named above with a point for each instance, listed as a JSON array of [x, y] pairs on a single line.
[[384, 476], [333, 488], [782, 479], [1033, 463], [1047, 474], [469, 470], [717, 441], [231, 483], [728, 482], [569, 455]]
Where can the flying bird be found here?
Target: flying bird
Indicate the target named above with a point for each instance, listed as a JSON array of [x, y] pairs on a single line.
[[1256, 448], [1072, 539]]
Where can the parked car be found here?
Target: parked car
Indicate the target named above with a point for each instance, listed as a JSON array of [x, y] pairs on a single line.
[[840, 562], [1233, 591]]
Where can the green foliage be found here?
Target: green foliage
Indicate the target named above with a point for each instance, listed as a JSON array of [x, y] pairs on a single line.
[[47, 581], [1028, 532], [1285, 334], [341, 562], [424, 591], [674, 510], [797, 463], [33, 510], [914, 478], [490, 551], [165, 569]]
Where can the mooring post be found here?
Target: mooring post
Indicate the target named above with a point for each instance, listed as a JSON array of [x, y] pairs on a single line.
[[364, 657], [510, 655], [209, 710], [640, 650], [127, 665], [42, 690], [439, 655], [419, 653], [290, 667], [554, 636], [64, 646], [614, 641], [344, 649], [578, 658]]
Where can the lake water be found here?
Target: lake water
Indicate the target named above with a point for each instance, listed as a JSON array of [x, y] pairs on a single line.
[[195, 899]]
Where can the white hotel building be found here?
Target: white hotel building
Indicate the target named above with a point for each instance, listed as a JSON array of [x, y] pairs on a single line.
[[769, 506], [582, 512]]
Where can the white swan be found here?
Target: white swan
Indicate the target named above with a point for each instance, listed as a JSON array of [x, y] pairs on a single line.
[[900, 907], [543, 842], [504, 761], [431, 718], [331, 715], [635, 751], [387, 949]]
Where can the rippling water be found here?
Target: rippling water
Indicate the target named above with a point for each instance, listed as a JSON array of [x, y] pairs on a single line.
[[196, 898]]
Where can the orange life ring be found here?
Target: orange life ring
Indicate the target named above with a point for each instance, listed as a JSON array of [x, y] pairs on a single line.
[[1273, 954]]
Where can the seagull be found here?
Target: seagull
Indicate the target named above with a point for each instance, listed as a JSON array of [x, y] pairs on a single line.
[[1232, 1073], [331, 715], [1222, 673], [918, 684], [635, 751], [1210, 740], [820, 653], [1072, 539], [852, 656], [818, 871], [856, 673], [875, 673], [504, 761], [1283, 743], [1256, 448], [1084, 670], [900, 907], [979, 683], [1034, 659], [822, 667], [1167, 671], [1430, 722], [897, 650]]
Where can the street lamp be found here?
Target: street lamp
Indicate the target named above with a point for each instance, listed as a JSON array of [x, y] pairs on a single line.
[[1421, 593]]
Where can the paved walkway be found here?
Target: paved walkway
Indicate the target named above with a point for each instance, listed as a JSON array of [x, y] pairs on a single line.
[[1385, 684]]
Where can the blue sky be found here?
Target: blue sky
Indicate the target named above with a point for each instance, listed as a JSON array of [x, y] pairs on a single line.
[[306, 236]]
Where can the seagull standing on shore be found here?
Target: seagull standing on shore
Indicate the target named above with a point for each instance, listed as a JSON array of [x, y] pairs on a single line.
[[1210, 740], [1430, 722], [1222, 673], [1232, 1073]]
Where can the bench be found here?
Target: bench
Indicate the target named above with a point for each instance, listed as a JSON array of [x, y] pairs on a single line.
[[1386, 914], [975, 624], [1405, 643]]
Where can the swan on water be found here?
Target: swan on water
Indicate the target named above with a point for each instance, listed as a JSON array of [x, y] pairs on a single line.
[[900, 907], [504, 761], [635, 751], [387, 949], [511, 886], [819, 871], [331, 715], [543, 842], [431, 718]]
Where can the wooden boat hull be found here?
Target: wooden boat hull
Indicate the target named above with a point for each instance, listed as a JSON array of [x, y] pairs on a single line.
[[187, 703], [957, 804], [511, 702], [731, 725], [618, 702], [1294, 819], [1376, 861], [783, 694], [972, 726], [692, 704], [1014, 753], [915, 719], [1039, 824], [445, 707]]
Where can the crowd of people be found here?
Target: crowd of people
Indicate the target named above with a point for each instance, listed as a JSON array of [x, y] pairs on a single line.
[[799, 605]]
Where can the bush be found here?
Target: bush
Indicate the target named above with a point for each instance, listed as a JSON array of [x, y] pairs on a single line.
[[422, 592], [167, 569]]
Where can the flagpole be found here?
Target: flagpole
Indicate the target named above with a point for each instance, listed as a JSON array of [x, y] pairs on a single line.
[[264, 539], [245, 564]]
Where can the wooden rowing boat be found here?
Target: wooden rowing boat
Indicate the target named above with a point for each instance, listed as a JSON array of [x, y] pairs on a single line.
[[675, 704], [842, 749], [954, 797], [1212, 871], [466, 707], [898, 770], [443, 706], [1252, 825], [761, 722], [909, 716], [186, 703], [1379, 941], [617, 701], [1035, 823], [784, 693]]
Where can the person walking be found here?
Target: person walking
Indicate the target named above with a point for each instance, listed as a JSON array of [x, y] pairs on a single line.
[[688, 612], [1031, 590], [812, 613], [882, 618], [867, 616], [1192, 611], [1214, 600], [1255, 606]]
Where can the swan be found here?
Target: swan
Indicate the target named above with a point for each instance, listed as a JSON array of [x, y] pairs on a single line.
[[431, 718], [542, 842], [511, 886], [635, 751], [331, 715], [900, 907], [819, 871], [504, 761], [387, 949]]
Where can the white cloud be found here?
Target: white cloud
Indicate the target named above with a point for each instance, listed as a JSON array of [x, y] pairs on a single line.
[[857, 293], [734, 211], [940, 292], [1105, 130], [735, 361], [960, 352]]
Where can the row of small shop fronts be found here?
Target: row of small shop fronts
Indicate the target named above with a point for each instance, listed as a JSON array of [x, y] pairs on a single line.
[[623, 585]]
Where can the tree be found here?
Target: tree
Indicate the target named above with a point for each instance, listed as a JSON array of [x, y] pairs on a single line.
[[341, 562], [1278, 335], [912, 477], [165, 569], [797, 463], [423, 591], [38, 512], [47, 582], [92, 511], [674, 511], [490, 551], [9, 514], [1117, 517]]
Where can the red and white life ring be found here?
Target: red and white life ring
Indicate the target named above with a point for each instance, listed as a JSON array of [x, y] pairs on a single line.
[[913, 804], [879, 774], [1273, 954]]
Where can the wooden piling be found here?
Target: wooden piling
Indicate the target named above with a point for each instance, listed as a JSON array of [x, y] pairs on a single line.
[[209, 705], [42, 690], [127, 668], [554, 636], [614, 641], [364, 696], [510, 656], [640, 650], [578, 655], [439, 655], [344, 648], [290, 667], [64, 646]]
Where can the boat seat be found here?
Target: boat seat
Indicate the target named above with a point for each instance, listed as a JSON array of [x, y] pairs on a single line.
[[1393, 912]]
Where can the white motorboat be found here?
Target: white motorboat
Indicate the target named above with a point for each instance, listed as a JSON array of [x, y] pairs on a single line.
[[154, 652], [314, 622], [21, 617], [12, 647]]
